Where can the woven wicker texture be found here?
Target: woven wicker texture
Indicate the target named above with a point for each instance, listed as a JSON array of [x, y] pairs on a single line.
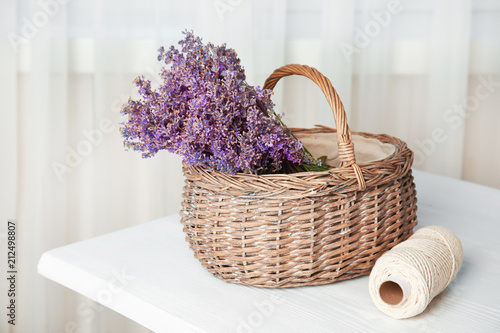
[[308, 228]]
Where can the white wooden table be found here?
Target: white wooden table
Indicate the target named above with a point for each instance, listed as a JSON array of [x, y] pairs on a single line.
[[148, 274]]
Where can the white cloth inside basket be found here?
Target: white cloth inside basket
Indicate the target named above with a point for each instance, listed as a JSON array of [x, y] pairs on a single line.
[[365, 149]]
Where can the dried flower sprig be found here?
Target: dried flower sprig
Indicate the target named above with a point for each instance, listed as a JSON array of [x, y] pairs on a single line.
[[205, 112]]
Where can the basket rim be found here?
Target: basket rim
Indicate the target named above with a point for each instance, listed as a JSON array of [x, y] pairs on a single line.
[[313, 183]]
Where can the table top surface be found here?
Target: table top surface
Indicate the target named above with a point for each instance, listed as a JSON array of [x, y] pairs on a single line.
[[149, 274]]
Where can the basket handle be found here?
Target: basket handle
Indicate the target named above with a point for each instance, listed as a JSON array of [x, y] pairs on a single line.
[[345, 144]]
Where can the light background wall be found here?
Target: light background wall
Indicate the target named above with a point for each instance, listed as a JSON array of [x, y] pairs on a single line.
[[429, 73]]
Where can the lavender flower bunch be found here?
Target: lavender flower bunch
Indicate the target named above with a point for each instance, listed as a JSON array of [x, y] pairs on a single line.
[[205, 112]]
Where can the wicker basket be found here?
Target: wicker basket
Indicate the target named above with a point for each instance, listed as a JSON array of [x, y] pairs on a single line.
[[309, 228]]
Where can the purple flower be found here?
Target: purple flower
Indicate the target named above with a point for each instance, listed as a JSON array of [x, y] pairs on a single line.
[[206, 112]]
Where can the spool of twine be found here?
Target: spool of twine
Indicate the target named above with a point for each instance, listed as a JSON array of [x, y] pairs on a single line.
[[405, 279]]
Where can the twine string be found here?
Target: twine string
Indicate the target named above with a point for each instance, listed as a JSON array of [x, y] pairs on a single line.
[[405, 279]]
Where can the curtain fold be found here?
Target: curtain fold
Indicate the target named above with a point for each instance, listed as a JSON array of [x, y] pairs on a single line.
[[9, 165], [336, 63], [425, 71], [448, 67]]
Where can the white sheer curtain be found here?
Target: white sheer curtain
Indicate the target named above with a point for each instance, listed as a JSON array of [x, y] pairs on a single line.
[[427, 72]]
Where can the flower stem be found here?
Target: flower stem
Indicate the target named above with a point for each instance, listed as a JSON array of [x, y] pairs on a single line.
[[316, 165]]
